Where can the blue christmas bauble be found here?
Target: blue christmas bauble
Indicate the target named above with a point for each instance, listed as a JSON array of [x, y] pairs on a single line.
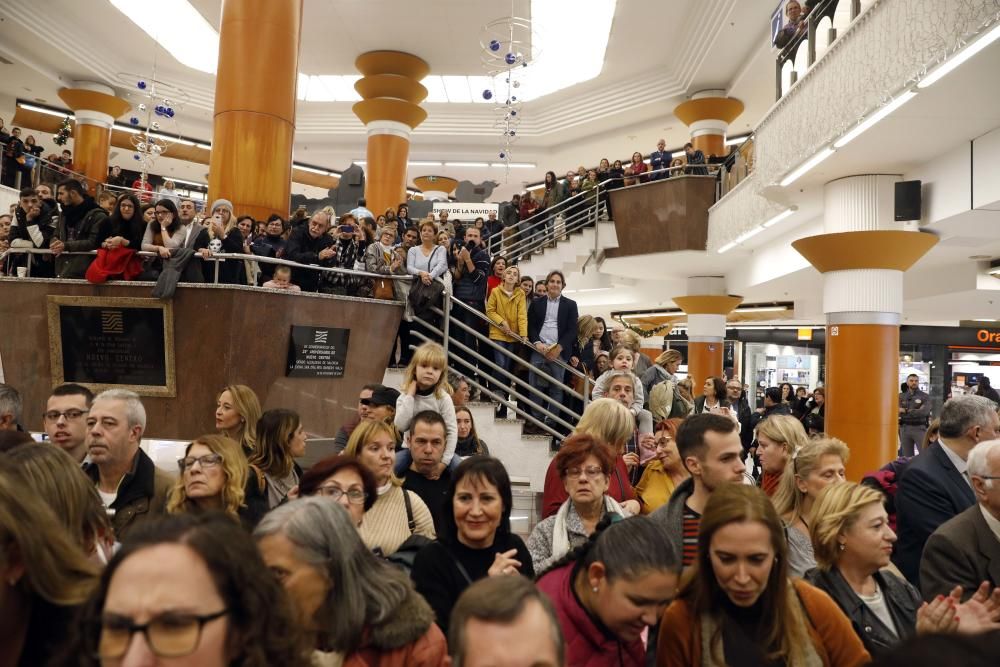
[[510, 58], [487, 94], [513, 112], [502, 155], [512, 133], [494, 45], [513, 99], [170, 112], [135, 156], [141, 85], [133, 121]]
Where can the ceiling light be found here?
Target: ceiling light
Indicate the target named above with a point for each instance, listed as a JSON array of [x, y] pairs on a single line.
[[799, 171], [311, 170], [762, 309], [47, 112], [781, 216], [727, 247], [194, 183], [466, 164], [514, 165], [127, 128], [960, 57], [201, 145], [749, 234], [736, 141], [424, 163], [556, 39], [360, 163], [874, 118], [179, 28], [457, 89]]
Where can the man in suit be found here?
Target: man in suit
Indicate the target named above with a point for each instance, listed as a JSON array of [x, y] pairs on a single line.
[[965, 551], [936, 484], [659, 160], [552, 332]]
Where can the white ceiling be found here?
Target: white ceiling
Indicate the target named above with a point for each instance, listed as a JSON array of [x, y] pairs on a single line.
[[659, 52]]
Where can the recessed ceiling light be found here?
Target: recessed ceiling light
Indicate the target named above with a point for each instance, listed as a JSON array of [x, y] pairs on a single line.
[[980, 258]]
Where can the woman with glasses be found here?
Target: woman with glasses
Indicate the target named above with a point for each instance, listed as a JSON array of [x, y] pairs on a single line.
[[44, 574], [196, 592], [354, 608], [584, 464], [127, 226], [280, 440], [342, 479], [167, 234], [665, 472], [213, 476], [396, 514]]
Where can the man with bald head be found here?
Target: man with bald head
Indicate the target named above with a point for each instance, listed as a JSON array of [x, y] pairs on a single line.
[[311, 244]]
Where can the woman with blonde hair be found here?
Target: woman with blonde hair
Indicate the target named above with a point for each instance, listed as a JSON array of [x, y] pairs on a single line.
[[56, 478], [740, 606], [853, 542], [397, 514], [778, 437], [44, 574], [236, 413], [813, 467], [425, 387], [610, 422], [213, 476], [280, 440]]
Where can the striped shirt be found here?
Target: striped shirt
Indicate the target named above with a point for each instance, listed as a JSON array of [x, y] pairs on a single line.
[[689, 551]]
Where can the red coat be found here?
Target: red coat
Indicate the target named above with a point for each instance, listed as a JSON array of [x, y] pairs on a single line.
[[120, 262], [586, 644], [554, 494]]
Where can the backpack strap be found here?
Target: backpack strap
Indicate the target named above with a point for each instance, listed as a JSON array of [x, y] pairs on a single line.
[[409, 512]]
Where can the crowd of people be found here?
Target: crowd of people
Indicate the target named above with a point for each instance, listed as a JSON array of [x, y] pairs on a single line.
[[657, 547]]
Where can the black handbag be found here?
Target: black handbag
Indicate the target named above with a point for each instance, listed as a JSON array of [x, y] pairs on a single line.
[[407, 551]]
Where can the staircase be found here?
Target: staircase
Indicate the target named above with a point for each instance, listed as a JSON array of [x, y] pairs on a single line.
[[526, 457], [573, 252]]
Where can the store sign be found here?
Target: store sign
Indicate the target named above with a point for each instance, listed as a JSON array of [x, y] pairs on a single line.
[[987, 336], [461, 211]]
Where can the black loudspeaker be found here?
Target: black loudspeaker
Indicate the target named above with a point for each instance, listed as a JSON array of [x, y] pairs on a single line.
[[907, 200]]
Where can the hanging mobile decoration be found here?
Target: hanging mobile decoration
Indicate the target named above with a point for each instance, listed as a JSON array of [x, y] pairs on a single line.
[[506, 44], [65, 131], [156, 103]]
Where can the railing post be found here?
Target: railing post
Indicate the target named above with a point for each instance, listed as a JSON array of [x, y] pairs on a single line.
[[446, 319]]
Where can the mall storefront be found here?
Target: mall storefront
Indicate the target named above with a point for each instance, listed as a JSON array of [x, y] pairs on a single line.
[[947, 360]]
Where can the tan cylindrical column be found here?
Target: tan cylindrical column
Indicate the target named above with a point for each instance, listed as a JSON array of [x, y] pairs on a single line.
[[706, 333], [390, 109], [708, 115], [95, 107], [254, 127]]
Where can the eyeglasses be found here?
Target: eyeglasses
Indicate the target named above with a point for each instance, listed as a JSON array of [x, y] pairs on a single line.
[[206, 461], [71, 415], [354, 496], [168, 636], [592, 472]]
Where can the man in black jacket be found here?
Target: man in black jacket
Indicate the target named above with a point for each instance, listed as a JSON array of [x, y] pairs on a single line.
[[472, 263], [914, 414], [772, 406], [33, 227], [82, 227], [310, 244], [744, 415], [552, 330]]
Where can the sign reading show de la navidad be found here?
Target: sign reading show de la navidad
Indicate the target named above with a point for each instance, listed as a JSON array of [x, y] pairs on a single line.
[[317, 352]]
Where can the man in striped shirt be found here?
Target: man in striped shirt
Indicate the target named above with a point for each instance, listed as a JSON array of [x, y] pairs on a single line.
[[709, 445]]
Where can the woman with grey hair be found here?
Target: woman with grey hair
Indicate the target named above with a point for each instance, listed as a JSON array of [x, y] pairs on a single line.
[[354, 608]]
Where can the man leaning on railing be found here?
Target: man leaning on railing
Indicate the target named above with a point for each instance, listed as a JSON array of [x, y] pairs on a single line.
[[82, 227], [33, 227]]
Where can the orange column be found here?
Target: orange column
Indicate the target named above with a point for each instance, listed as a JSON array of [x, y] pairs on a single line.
[[254, 127], [863, 296], [390, 108], [95, 107], [706, 334], [708, 115]]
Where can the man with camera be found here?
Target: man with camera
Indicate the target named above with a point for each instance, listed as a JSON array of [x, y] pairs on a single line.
[[348, 254], [471, 266]]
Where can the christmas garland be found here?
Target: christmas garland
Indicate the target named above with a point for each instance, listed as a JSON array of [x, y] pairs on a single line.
[[645, 333], [65, 130]]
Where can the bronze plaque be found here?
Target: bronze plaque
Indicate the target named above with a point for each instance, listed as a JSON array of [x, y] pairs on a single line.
[[113, 342]]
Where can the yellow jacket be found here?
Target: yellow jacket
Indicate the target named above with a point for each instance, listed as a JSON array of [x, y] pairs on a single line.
[[654, 488], [510, 309]]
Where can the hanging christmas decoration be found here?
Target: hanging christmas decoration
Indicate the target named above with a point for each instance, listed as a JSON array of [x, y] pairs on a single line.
[[65, 131], [156, 102], [505, 43]]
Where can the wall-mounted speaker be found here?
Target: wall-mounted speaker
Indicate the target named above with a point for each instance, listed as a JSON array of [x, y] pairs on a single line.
[[907, 200]]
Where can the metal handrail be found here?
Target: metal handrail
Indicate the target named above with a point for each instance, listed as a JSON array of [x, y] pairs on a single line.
[[573, 223], [518, 337], [496, 367], [513, 356], [517, 409]]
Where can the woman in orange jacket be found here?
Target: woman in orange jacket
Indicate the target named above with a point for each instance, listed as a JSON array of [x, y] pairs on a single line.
[[740, 607]]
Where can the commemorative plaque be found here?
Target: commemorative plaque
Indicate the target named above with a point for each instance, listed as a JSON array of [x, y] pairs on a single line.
[[108, 342], [317, 352]]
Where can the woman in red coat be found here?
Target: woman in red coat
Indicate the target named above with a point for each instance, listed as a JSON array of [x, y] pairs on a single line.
[[608, 592]]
